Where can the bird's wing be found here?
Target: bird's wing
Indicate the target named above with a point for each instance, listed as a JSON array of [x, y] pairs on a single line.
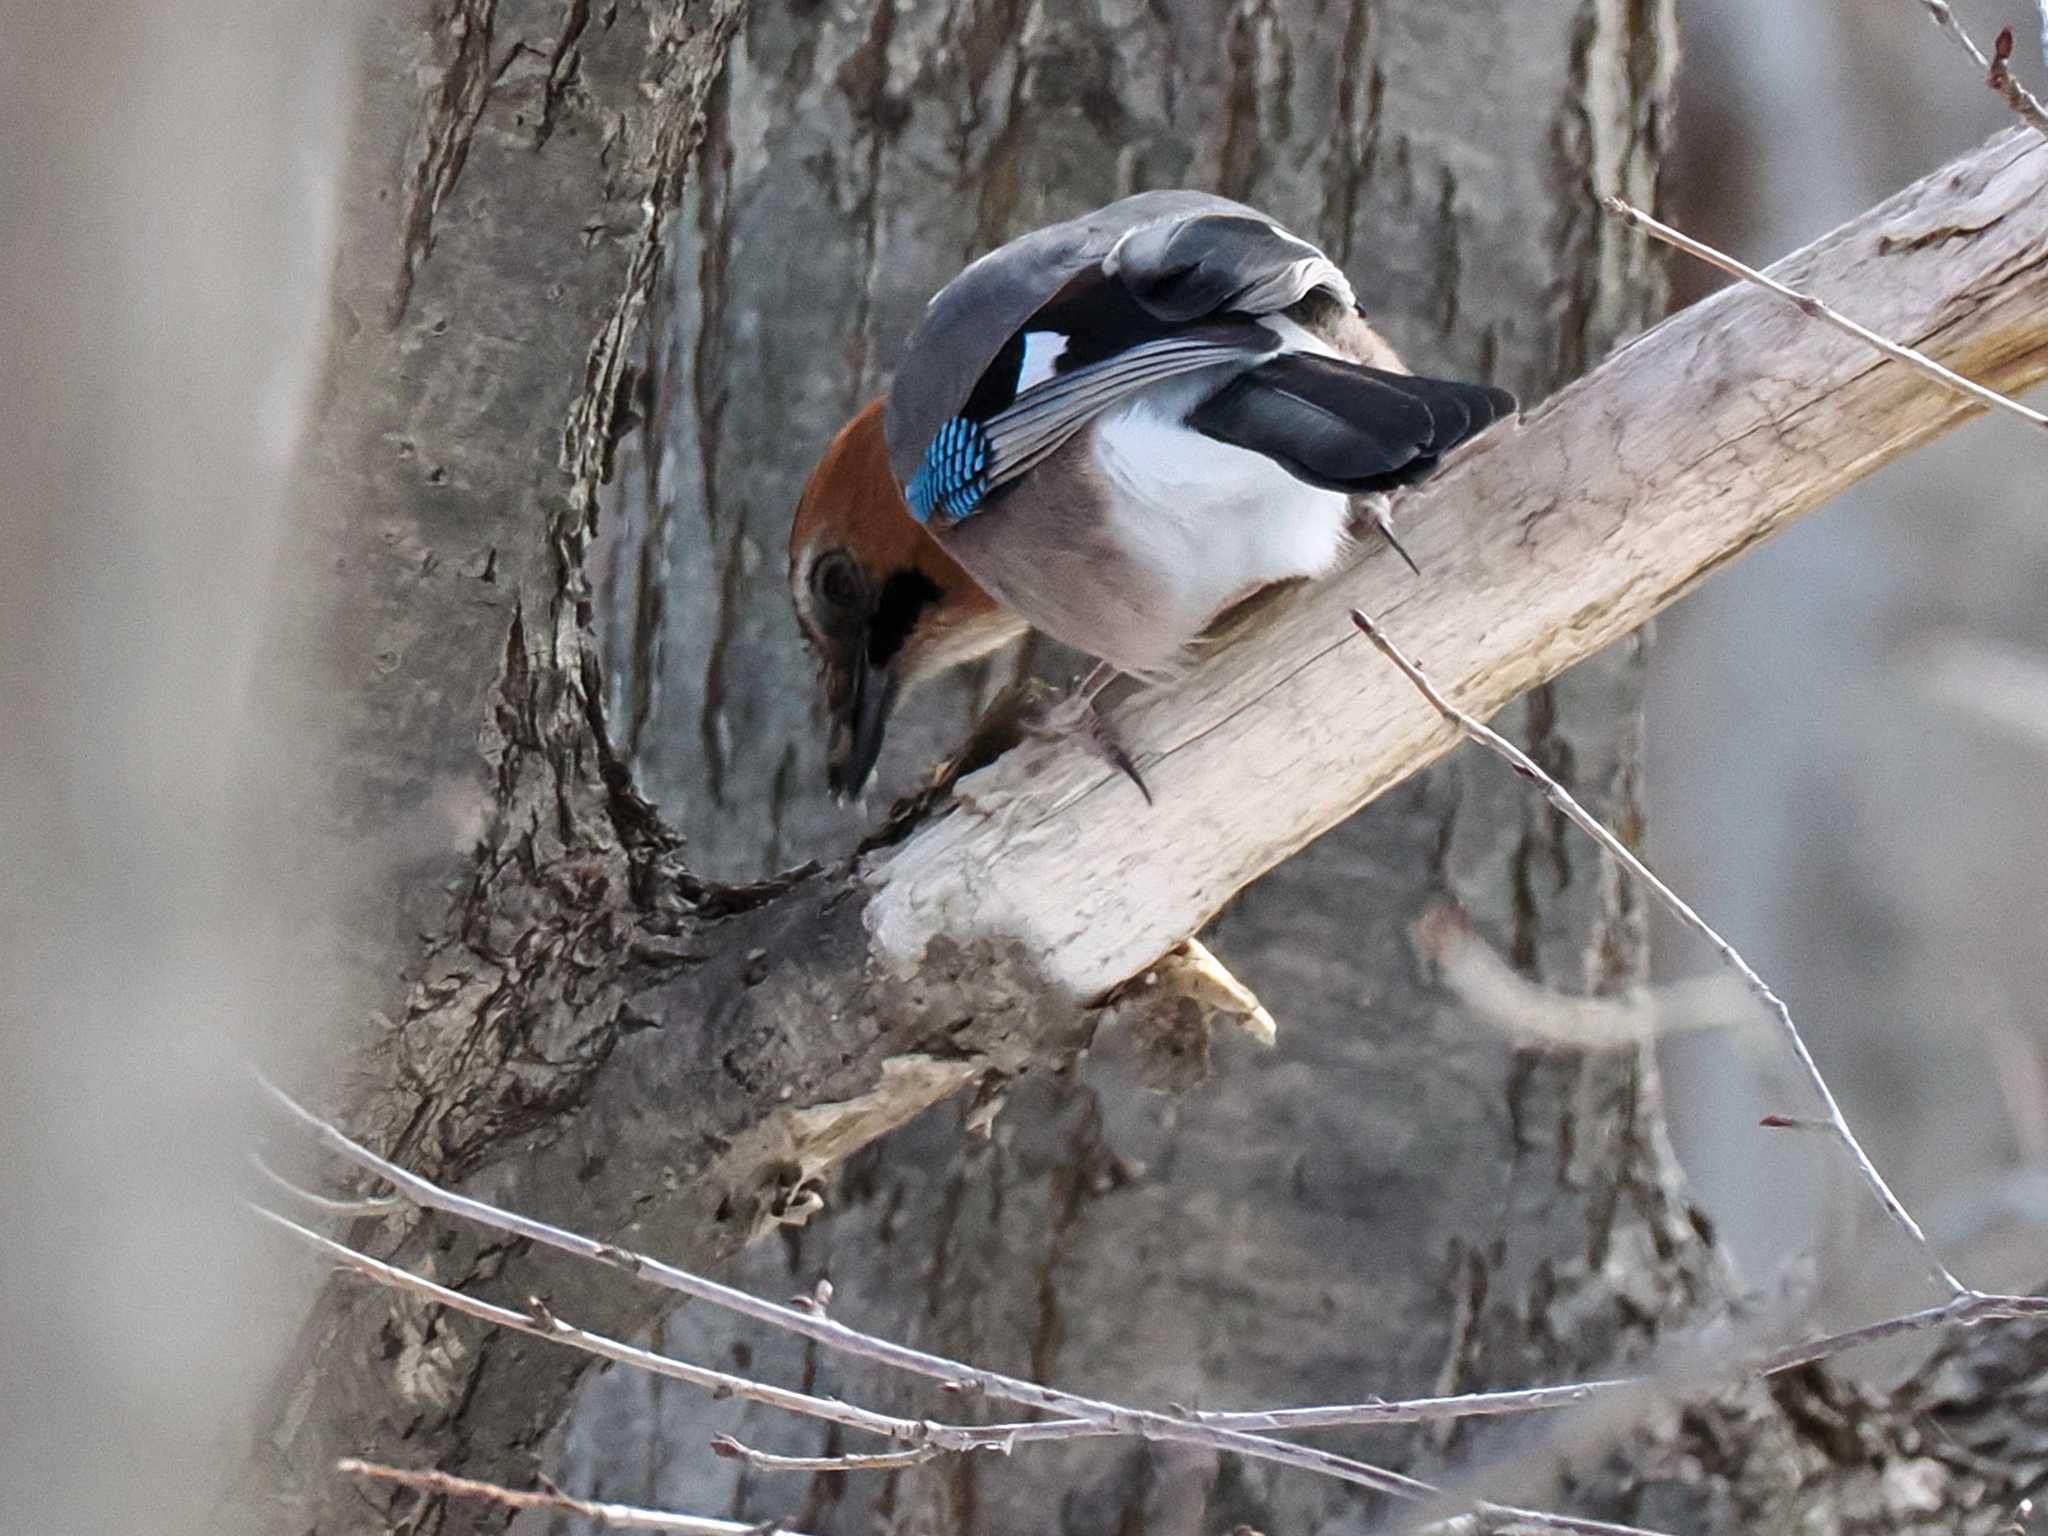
[[1030, 343], [1172, 259], [1223, 260], [969, 458]]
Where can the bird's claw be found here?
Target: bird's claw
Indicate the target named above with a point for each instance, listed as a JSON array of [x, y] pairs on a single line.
[[1378, 509], [1077, 719]]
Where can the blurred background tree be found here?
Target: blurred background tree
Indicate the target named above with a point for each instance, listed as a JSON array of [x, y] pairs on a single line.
[[1846, 733]]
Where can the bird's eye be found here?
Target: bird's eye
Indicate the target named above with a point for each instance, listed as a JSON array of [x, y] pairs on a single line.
[[836, 581]]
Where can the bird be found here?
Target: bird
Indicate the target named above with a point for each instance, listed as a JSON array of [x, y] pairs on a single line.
[[1110, 430]]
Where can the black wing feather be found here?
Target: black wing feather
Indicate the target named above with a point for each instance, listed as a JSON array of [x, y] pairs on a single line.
[[1196, 267], [1346, 427]]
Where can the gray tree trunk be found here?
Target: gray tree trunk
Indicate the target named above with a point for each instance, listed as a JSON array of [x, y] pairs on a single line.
[[1392, 1202]]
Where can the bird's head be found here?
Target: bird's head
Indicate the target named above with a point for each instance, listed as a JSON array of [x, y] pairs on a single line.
[[882, 605]]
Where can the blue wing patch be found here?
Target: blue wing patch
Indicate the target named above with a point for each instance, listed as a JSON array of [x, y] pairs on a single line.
[[953, 475]]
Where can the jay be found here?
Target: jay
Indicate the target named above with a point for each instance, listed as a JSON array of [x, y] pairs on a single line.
[[1110, 430]]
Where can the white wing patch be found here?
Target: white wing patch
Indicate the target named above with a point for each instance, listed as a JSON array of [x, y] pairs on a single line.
[[1042, 349], [1295, 337]]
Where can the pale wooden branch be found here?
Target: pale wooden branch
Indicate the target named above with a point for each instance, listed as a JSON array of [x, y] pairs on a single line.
[[1689, 445], [1995, 69], [615, 1517], [1492, 991], [1679, 908], [1814, 309]]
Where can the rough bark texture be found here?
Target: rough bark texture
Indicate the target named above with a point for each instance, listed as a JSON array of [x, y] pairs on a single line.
[[591, 1032]]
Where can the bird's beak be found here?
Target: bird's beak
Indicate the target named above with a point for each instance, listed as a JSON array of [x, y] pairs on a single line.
[[860, 695]]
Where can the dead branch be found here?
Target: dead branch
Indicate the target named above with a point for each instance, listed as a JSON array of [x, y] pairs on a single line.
[[1690, 444], [1087, 1417], [874, 1461], [1491, 991], [615, 1517], [541, 1323], [809, 1321], [327, 1205]]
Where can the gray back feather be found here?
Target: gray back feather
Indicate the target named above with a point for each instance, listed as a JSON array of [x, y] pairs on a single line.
[[1181, 253]]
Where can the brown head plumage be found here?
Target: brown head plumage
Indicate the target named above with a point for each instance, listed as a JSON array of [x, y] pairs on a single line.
[[882, 606]]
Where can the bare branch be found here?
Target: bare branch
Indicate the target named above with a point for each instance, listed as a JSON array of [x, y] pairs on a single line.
[[1997, 75], [1494, 992], [1963, 1312], [617, 1517], [540, 1323], [1814, 309], [810, 1323], [1096, 1419], [380, 1205], [1586, 822], [1539, 546], [878, 1461]]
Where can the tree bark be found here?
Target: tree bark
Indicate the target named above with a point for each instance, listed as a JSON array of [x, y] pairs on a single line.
[[594, 1032]]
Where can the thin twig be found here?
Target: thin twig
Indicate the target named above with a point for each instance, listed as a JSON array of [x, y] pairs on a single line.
[[1526, 766], [540, 1323], [877, 1461], [1814, 309], [1995, 71], [377, 1205], [1418, 1410], [1961, 1311], [618, 1517], [1964, 1311], [1145, 1423], [2007, 84], [928, 1436]]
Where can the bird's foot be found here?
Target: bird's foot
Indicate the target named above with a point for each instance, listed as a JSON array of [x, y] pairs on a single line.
[[1075, 718]]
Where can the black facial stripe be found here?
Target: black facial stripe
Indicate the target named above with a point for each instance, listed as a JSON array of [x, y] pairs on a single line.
[[904, 597]]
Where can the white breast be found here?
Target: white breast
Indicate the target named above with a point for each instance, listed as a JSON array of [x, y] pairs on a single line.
[[1213, 522]]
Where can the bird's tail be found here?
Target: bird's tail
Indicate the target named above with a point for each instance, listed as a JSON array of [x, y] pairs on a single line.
[[1344, 426]]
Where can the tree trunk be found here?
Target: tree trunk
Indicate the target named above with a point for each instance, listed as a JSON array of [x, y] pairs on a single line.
[[1390, 1202], [1392, 1197]]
